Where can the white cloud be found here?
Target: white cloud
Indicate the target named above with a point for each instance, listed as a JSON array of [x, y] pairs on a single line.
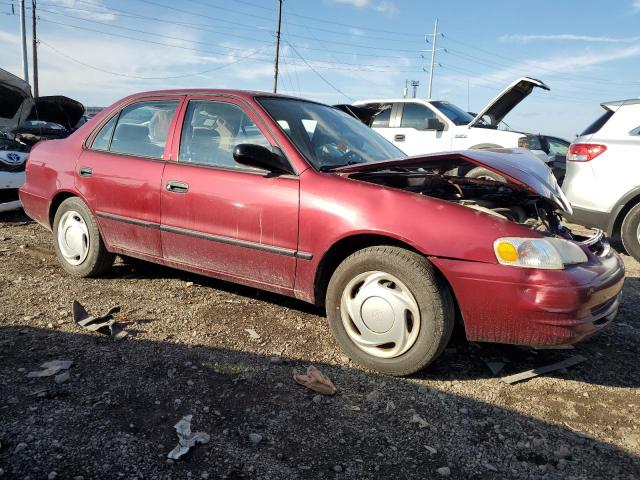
[[566, 37], [9, 38], [386, 7], [357, 32], [355, 3], [90, 9], [549, 67], [635, 5]]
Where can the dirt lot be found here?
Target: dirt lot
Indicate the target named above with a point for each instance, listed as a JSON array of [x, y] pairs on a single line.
[[189, 353]]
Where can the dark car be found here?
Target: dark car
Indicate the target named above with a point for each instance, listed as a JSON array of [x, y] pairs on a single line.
[[301, 199]]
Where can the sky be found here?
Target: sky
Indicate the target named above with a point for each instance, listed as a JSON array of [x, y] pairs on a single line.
[[338, 51]]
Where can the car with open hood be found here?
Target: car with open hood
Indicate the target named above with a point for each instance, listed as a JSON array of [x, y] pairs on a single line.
[[418, 126], [24, 121], [299, 198]]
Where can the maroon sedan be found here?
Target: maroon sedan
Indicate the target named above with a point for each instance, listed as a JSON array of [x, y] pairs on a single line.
[[299, 198]]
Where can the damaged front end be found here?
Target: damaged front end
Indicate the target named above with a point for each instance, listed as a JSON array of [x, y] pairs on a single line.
[[529, 194], [560, 287]]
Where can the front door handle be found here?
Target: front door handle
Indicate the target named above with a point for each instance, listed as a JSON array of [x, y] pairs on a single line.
[[398, 138], [177, 187], [85, 171]]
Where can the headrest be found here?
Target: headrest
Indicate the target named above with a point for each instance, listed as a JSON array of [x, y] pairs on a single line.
[[200, 133], [128, 132]]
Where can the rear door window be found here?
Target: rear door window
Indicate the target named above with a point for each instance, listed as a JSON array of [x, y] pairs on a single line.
[[103, 139], [598, 124], [415, 116], [381, 120], [142, 128]]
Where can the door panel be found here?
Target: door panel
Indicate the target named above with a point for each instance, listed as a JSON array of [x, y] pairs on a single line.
[[124, 192], [238, 223], [218, 215], [120, 176], [411, 137]]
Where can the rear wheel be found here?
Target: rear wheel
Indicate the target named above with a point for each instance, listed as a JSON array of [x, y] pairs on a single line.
[[77, 241], [630, 232], [389, 310]]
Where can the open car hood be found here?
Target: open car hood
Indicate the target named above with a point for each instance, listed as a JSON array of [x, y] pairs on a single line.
[[519, 167], [57, 109], [507, 100], [16, 101], [364, 113]]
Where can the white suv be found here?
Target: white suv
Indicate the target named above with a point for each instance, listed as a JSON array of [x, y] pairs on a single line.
[[418, 126], [603, 174]]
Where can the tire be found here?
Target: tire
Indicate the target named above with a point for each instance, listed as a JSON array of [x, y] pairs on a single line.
[[629, 232], [483, 173], [412, 276], [77, 241]]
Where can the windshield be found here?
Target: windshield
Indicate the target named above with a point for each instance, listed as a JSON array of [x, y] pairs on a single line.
[[453, 113], [327, 137]]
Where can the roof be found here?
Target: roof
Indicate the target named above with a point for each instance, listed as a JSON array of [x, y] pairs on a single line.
[[396, 100], [619, 103], [246, 94]]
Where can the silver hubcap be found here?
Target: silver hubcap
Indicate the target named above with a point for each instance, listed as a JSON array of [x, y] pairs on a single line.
[[73, 238], [380, 314]]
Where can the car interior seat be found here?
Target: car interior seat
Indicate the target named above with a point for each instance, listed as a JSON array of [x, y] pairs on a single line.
[[134, 140]]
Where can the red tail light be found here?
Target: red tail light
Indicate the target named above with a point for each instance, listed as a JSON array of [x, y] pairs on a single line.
[[584, 152]]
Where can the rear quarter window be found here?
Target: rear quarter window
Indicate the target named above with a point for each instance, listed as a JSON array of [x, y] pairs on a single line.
[[598, 124]]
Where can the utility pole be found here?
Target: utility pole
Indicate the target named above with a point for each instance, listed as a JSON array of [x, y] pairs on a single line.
[[432, 50], [275, 76], [35, 49], [23, 34], [405, 91]]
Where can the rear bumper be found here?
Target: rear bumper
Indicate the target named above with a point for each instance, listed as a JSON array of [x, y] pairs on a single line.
[[590, 218], [35, 207], [535, 307]]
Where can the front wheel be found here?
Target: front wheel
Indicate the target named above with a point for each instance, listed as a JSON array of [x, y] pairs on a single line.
[[389, 310], [77, 241], [630, 232]]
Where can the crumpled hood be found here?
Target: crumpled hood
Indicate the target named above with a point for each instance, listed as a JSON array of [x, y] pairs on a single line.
[[16, 101], [519, 167]]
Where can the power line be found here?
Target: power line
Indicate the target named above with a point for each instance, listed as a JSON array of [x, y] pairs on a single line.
[[263, 58], [324, 50], [137, 77], [319, 74]]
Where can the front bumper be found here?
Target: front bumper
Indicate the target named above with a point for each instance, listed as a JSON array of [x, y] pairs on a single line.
[[535, 307], [9, 184]]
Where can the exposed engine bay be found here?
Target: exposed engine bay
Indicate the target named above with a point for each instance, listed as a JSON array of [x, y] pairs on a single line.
[[502, 199]]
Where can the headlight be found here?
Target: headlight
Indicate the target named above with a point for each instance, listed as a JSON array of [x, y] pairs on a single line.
[[547, 253]]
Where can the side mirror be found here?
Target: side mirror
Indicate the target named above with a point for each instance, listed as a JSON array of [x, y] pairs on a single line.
[[257, 156], [434, 124]]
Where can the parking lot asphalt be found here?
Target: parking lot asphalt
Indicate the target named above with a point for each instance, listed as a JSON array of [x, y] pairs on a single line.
[[188, 352]]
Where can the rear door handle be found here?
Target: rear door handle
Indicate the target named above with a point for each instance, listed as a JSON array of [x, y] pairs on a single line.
[[177, 187], [398, 138], [85, 171]]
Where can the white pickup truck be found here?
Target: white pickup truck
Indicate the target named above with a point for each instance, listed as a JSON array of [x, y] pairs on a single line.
[[419, 126]]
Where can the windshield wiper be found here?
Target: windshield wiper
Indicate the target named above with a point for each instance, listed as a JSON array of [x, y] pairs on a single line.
[[329, 168]]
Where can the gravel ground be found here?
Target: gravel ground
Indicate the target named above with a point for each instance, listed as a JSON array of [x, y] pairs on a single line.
[[188, 352]]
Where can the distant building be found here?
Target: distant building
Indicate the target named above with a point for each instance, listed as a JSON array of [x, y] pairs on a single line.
[[91, 111]]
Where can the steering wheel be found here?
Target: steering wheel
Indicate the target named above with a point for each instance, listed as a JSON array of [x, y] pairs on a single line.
[[351, 158]]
